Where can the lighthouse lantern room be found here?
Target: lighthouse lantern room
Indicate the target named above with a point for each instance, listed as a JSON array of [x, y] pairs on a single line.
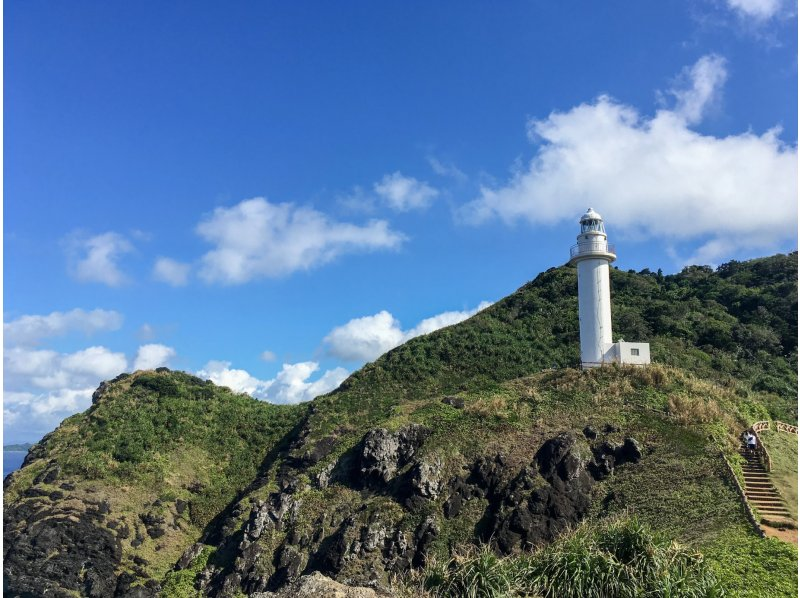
[[592, 256]]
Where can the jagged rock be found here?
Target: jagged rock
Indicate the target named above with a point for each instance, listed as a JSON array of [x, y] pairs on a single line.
[[259, 518], [323, 478], [49, 551], [320, 450], [455, 402], [424, 536], [383, 453], [561, 457], [188, 556], [98, 394], [49, 475], [629, 452], [153, 524], [180, 506], [317, 585], [426, 478], [590, 432]]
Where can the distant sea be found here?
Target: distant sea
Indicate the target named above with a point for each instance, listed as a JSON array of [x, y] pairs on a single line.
[[12, 460]]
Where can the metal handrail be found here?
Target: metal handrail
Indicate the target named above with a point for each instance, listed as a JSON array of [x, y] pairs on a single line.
[[587, 248]]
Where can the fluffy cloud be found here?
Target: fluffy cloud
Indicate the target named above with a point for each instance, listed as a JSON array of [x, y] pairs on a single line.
[[152, 356], [256, 238], [268, 356], [29, 329], [95, 259], [760, 10], [50, 370], [365, 339], [290, 385], [171, 271], [655, 176], [404, 193], [41, 387]]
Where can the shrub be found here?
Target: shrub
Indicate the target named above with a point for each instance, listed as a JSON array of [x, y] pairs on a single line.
[[619, 557]]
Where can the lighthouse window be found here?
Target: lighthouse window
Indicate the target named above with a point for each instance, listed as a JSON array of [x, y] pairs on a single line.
[[634, 351]]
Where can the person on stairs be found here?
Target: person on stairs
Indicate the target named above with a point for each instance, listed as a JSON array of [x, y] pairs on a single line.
[[750, 440]]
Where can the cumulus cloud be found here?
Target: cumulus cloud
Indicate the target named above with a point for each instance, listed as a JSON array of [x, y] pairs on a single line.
[[655, 176], [95, 259], [171, 271], [41, 387], [29, 329], [366, 338], [256, 239], [402, 193], [290, 385], [152, 356], [761, 10], [268, 356]]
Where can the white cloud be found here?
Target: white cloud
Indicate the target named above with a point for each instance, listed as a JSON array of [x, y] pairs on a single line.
[[760, 10], [448, 318], [95, 259], [268, 356], [404, 193], [27, 330], [41, 387], [171, 271], [290, 385], [702, 85], [256, 239], [221, 374], [366, 338], [152, 356], [655, 176], [446, 169]]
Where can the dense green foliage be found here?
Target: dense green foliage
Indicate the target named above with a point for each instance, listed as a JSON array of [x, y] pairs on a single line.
[[621, 558], [140, 422], [736, 325]]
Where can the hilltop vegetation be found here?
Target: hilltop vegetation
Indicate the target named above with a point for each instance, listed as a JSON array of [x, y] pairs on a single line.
[[456, 437]]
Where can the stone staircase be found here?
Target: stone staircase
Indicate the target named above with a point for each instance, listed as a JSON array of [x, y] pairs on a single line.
[[762, 495]]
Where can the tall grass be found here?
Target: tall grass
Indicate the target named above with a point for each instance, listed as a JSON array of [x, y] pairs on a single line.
[[617, 558]]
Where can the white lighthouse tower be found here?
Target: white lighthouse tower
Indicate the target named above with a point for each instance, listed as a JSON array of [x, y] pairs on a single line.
[[592, 255]]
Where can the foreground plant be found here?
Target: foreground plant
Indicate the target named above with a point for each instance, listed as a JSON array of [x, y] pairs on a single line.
[[618, 558]]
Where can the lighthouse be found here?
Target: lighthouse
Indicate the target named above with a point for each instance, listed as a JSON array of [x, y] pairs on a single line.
[[592, 256]]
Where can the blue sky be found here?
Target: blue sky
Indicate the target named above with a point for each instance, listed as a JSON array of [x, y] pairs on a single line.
[[272, 194]]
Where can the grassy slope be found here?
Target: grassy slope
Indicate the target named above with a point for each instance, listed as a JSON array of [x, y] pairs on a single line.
[[146, 441], [782, 447]]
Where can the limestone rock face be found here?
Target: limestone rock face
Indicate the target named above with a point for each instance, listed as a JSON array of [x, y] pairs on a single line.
[[317, 585], [383, 453]]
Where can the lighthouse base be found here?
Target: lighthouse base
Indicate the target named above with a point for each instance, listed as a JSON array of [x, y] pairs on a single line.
[[623, 353]]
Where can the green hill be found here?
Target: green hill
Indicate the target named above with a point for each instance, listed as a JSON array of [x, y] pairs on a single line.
[[483, 431]]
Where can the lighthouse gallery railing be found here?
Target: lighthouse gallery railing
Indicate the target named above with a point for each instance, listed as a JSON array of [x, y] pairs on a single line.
[[585, 248]]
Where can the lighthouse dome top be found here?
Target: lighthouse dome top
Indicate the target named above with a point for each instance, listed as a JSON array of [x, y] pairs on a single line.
[[591, 221], [591, 215]]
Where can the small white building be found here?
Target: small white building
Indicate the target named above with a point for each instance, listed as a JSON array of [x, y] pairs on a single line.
[[592, 256]]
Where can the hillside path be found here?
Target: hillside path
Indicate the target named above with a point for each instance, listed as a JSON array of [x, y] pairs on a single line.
[[764, 497]]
